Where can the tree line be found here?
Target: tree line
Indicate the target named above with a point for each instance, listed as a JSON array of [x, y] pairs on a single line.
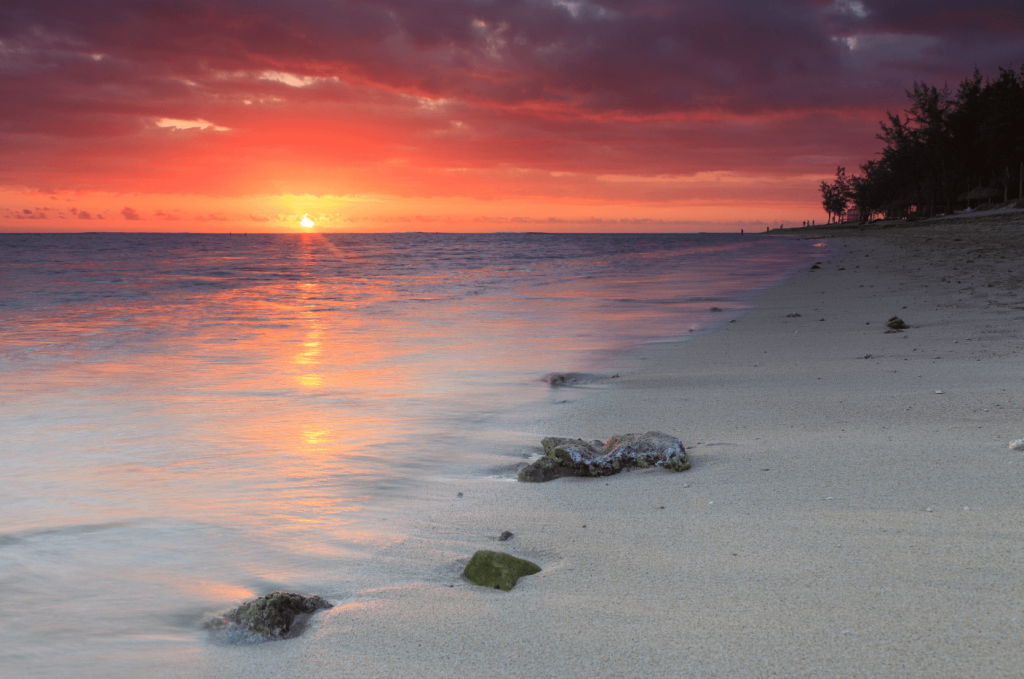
[[945, 150]]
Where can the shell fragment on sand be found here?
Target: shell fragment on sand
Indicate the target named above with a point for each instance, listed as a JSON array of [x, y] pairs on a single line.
[[1017, 445]]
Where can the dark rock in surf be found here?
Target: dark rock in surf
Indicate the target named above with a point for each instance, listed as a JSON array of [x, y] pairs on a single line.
[[544, 469], [278, 615]]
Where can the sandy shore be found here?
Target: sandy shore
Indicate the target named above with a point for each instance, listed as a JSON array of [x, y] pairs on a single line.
[[842, 517]]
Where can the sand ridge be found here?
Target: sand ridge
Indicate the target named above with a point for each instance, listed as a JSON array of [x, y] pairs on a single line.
[[841, 518]]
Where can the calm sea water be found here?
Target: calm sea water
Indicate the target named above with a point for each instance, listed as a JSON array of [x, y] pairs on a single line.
[[189, 420]]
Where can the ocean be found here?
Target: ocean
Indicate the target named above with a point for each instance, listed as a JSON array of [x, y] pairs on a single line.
[[191, 420]]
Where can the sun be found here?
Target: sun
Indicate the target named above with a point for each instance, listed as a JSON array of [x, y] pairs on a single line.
[[307, 222]]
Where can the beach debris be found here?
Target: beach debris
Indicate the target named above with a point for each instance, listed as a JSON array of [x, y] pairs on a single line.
[[498, 569], [815, 267], [1017, 445], [714, 308], [792, 315], [576, 457], [571, 379], [459, 494], [278, 615], [938, 391], [505, 535], [867, 355], [896, 323]]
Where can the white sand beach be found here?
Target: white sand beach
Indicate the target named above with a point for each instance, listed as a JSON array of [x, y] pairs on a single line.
[[853, 508]]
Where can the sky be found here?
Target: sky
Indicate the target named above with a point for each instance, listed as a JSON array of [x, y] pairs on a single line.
[[460, 115]]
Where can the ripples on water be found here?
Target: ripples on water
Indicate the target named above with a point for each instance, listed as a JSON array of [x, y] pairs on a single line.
[[187, 420]]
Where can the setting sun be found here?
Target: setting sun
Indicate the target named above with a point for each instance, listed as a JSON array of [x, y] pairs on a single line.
[[307, 222]]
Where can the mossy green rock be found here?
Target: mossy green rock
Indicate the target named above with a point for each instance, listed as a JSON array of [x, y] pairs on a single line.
[[272, 615], [497, 569]]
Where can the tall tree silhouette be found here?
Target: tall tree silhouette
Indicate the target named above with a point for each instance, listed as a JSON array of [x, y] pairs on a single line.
[[836, 196], [941, 147]]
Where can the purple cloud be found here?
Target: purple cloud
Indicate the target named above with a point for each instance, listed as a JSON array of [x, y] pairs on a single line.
[[634, 86]]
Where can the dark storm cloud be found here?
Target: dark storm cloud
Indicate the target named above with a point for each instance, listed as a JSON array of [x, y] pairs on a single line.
[[636, 56], [85, 84]]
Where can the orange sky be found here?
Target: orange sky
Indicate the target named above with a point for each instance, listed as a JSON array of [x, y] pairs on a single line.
[[533, 115]]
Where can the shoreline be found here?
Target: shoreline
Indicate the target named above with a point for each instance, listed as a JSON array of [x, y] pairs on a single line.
[[840, 517]]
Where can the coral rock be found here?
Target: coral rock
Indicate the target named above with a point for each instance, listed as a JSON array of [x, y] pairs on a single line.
[[544, 469], [576, 457]]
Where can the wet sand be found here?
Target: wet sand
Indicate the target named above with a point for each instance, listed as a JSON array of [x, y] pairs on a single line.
[[841, 518]]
